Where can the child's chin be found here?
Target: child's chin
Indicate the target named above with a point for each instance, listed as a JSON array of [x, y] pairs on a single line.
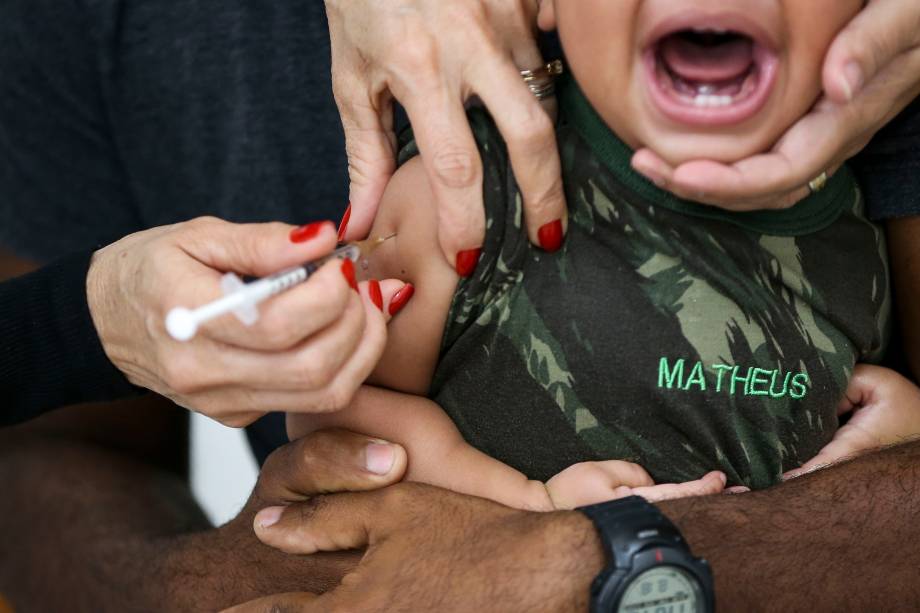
[[677, 149]]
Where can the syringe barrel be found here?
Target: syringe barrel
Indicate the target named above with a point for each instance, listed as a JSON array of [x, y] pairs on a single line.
[[251, 294], [281, 281], [286, 279]]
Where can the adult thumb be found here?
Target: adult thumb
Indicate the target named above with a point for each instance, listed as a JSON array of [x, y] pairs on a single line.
[[255, 249], [871, 41]]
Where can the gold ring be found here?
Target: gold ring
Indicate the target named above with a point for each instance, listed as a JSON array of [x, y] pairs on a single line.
[[542, 81], [818, 183]]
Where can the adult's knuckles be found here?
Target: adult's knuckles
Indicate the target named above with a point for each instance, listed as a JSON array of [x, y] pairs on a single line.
[[274, 334], [455, 166], [466, 17], [338, 395], [314, 370], [517, 13], [417, 56], [544, 198], [532, 133], [300, 515], [203, 224], [358, 111], [400, 498], [365, 156], [180, 373], [872, 50]]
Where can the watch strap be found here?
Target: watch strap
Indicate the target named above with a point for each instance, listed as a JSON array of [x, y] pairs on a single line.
[[628, 525]]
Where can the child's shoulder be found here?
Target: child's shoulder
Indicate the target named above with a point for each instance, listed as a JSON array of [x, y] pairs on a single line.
[[414, 255], [407, 209]]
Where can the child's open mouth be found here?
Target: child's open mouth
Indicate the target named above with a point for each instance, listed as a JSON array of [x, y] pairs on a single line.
[[712, 71]]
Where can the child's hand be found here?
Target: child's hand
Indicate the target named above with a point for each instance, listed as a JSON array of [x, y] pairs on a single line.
[[886, 411], [593, 482]]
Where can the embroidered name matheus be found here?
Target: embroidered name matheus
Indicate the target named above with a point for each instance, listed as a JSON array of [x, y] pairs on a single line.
[[732, 380]]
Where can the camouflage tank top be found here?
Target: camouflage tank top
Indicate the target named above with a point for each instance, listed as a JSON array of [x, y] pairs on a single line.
[[677, 336]]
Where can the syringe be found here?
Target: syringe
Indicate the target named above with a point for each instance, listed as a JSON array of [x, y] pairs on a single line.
[[242, 299]]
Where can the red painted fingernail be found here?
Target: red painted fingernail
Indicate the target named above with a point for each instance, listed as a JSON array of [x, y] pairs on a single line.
[[302, 234], [348, 269], [343, 225], [373, 291], [550, 236], [466, 262], [400, 298]]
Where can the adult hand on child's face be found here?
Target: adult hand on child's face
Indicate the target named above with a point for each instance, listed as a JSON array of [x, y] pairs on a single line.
[[429, 549], [871, 73], [432, 56], [885, 411], [310, 351]]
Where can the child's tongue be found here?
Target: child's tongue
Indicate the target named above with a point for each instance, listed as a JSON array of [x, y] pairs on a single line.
[[705, 60]]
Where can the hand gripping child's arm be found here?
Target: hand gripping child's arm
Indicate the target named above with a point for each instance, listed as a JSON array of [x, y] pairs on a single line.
[[885, 411]]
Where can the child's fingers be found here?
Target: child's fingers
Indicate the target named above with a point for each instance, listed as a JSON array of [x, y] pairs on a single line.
[[623, 473], [711, 483], [848, 442], [816, 463], [864, 380], [593, 482]]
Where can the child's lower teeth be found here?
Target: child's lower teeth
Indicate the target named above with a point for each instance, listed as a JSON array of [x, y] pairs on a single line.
[[703, 100]]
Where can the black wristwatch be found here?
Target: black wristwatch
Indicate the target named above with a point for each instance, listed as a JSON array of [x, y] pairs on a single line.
[[649, 566]]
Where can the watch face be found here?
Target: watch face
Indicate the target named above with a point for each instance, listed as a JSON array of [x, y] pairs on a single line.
[[663, 589]]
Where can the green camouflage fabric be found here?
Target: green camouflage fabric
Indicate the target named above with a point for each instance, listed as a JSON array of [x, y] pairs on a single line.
[[665, 333]]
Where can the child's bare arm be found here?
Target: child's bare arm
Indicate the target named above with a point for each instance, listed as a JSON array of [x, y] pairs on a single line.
[[439, 456], [437, 453]]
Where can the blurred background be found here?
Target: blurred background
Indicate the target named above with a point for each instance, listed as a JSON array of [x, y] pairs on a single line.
[[223, 468]]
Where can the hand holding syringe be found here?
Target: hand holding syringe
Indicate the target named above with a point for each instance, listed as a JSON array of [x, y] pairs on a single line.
[[242, 299]]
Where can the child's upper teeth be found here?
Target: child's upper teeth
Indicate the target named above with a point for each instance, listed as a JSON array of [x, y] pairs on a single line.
[[704, 30]]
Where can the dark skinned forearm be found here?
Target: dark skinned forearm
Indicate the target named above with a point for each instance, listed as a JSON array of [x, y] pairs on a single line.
[[841, 539], [88, 527], [904, 249]]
